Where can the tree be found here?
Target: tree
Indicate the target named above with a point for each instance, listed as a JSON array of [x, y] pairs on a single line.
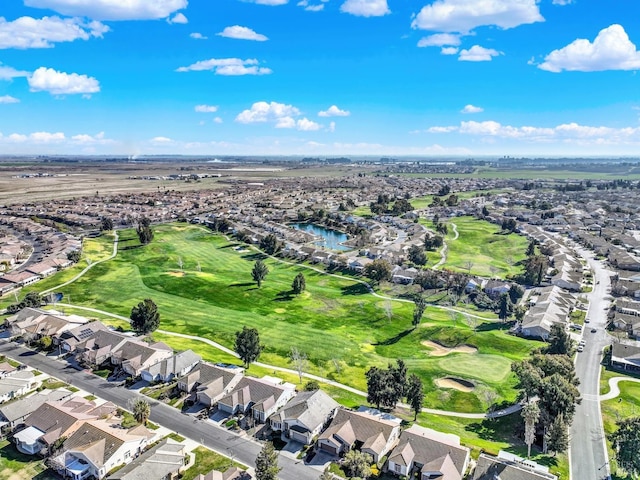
[[386, 387], [378, 271], [401, 206], [420, 305], [531, 248], [247, 345], [74, 256], [299, 284], [505, 307], [509, 225], [531, 414], [417, 255], [32, 299], [485, 211], [557, 436], [398, 375], [311, 386], [626, 445], [141, 410], [415, 394], [267, 463], [357, 463], [560, 342], [145, 317], [145, 234], [106, 224], [259, 272], [270, 244], [427, 279], [433, 242], [45, 342], [299, 360]]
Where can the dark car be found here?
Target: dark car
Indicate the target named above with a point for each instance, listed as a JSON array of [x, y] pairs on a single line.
[[593, 330]]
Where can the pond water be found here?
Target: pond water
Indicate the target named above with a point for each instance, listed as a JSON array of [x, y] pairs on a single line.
[[332, 239]]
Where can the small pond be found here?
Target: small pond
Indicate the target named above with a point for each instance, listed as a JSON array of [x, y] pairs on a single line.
[[332, 239]]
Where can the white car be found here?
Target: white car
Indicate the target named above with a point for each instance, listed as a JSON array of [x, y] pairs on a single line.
[[580, 348]]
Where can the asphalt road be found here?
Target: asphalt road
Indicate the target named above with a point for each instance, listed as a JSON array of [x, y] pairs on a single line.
[[588, 456], [240, 448]]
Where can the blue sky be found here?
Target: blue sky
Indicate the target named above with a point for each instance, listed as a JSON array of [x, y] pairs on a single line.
[[320, 77]]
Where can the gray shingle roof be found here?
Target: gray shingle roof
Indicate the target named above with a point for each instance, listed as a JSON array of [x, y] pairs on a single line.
[[308, 408], [22, 407], [165, 458], [491, 468]]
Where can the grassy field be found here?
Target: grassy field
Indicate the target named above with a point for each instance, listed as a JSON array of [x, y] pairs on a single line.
[[219, 299], [529, 174], [16, 466], [491, 252], [207, 460]]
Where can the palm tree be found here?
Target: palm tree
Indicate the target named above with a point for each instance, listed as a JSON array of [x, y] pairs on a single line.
[[141, 411]]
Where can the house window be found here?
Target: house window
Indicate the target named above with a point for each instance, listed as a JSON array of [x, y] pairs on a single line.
[[398, 468], [127, 455]]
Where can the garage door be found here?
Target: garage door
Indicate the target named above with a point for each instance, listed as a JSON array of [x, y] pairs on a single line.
[[329, 449]]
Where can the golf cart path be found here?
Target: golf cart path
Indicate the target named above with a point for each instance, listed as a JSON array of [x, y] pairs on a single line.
[[500, 413], [445, 248], [614, 389]]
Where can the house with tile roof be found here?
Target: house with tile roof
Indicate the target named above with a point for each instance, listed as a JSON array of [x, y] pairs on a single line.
[[367, 431], [13, 413], [177, 365], [260, 396], [209, 383], [509, 467], [304, 416], [97, 447], [429, 454], [54, 420]]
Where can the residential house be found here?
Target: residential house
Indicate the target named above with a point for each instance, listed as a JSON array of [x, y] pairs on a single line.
[[164, 461], [495, 288], [6, 369], [70, 339], [509, 467], [17, 384], [304, 416], [262, 397], [625, 356], [232, 473], [14, 413], [177, 365], [209, 383], [54, 420], [97, 447], [429, 454], [367, 430], [403, 276]]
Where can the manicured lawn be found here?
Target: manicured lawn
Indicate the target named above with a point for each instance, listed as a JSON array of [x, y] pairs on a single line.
[[491, 368], [16, 466], [333, 320], [491, 252], [207, 460]]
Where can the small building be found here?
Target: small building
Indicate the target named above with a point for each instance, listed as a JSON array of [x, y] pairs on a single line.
[[507, 466]]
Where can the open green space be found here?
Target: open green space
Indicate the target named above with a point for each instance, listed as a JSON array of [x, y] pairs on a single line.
[[532, 174], [482, 248], [16, 466], [207, 460], [494, 367], [335, 320]]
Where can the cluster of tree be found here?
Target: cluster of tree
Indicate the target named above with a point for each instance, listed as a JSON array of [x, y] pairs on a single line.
[[270, 244], [417, 255], [385, 388], [347, 205], [535, 268], [433, 242], [32, 300], [145, 234], [74, 256], [106, 224], [509, 224], [145, 317], [626, 445], [451, 201], [444, 190], [247, 345], [381, 206], [549, 381], [218, 224], [378, 271]]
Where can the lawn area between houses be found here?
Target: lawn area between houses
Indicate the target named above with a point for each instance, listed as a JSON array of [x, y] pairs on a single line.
[[218, 298], [207, 460], [16, 466]]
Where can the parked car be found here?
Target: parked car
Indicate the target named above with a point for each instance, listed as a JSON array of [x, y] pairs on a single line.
[[593, 330], [580, 348]]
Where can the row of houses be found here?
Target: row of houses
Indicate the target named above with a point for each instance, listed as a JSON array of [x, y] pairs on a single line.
[[548, 306]]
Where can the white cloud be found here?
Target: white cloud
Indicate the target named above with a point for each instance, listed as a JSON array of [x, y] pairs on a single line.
[[465, 15], [198, 36], [178, 18], [449, 50], [439, 40], [332, 127], [8, 99], [478, 54], [611, 50], [242, 33], [306, 125], [261, 112], [161, 140], [334, 111], [366, 8], [311, 7], [61, 83], [85, 139], [46, 137], [218, 120], [206, 108], [112, 9], [271, 3], [471, 109], [8, 73], [28, 32], [562, 2], [228, 66]]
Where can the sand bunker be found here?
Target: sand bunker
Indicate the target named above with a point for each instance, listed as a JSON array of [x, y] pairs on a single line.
[[176, 274], [455, 383], [438, 350]]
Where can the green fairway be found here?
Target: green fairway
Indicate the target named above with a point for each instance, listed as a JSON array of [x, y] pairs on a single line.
[[490, 368], [334, 321], [483, 247]]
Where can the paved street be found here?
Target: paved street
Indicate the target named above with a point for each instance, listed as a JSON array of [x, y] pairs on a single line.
[[589, 459], [241, 449]]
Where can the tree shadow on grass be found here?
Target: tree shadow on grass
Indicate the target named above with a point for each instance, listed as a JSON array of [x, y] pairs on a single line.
[[503, 429], [284, 296], [129, 247], [245, 284], [230, 245], [252, 257], [395, 339], [492, 326], [355, 289]]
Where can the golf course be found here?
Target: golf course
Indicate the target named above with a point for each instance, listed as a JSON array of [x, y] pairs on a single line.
[[202, 285]]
